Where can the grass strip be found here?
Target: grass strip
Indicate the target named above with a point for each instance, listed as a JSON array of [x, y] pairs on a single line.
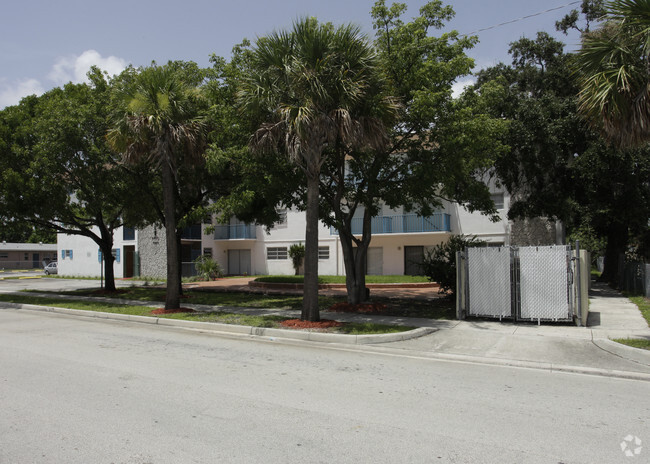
[[643, 304], [634, 342], [222, 317]]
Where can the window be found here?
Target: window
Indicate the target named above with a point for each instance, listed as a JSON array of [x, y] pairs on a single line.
[[66, 254], [4, 255], [277, 253], [282, 221], [497, 198], [26, 256], [323, 252], [207, 252], [128, 233]]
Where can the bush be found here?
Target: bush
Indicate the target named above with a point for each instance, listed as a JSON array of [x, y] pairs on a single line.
[[439, 262], [297, 254], [207, 268]]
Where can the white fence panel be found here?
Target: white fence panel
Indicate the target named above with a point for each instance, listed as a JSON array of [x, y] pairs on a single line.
[[489, 277], [543, 277]]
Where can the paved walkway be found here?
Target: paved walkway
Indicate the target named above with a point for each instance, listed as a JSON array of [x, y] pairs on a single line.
[[555, 347]]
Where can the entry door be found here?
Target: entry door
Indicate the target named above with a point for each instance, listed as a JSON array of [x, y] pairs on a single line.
[[375, 261], [129, 255], [413, 258], [36, 261], [239, 262]]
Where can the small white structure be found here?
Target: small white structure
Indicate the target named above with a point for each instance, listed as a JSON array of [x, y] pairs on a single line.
[[81, 257]]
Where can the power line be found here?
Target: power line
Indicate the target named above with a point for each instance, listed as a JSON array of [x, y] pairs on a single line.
[[522, 18]]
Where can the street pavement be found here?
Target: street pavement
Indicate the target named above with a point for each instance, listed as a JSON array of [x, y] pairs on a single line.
[[76, 390], [549, 346]]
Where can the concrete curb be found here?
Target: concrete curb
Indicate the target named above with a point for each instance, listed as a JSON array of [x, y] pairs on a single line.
[[623, 351], [304, 335]]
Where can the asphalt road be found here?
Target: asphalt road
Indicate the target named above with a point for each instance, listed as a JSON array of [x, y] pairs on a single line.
[[74, 390]]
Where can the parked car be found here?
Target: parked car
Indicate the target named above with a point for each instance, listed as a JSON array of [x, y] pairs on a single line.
[[51, 269]]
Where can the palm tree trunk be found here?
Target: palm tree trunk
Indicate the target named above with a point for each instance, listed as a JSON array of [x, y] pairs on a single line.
[[172, 298], [310, 310]]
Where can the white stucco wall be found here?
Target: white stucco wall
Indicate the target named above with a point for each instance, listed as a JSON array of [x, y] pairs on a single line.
[[84, 261]]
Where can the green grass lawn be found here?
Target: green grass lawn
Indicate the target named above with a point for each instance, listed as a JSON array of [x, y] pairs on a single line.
[[324, 279], [440, 308], [223, 317], [634, 342]]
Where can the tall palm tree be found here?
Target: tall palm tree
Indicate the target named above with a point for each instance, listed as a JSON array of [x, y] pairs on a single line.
[[160, 125], [308, 85], [614, 70]]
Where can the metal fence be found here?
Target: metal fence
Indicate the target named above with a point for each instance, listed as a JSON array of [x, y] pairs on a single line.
[[546, 283], [635, 278]]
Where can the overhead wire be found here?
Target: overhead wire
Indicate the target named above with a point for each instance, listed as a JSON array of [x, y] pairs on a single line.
[[522, 18]]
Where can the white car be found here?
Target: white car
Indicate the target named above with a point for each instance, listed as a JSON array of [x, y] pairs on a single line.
[[51, 269]]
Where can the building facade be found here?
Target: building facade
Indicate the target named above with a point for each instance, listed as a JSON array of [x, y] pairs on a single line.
[[26, 255], [399, 240]]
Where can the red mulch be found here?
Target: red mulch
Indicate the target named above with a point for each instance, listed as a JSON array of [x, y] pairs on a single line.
[[365, 308], [298, 324], [171, 311]]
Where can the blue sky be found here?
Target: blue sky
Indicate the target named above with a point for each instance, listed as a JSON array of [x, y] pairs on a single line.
[[46, 43]]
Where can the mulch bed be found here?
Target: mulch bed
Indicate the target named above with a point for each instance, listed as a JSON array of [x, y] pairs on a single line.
[[298, 324], [362, 308], [172, 311]]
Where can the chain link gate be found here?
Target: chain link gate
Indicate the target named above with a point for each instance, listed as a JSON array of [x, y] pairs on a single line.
[[521, 283]]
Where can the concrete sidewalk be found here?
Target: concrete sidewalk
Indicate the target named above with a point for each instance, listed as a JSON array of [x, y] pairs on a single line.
[[555, 347]]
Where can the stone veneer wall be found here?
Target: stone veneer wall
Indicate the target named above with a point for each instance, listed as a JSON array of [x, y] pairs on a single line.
[[153, 252], [533, 232]]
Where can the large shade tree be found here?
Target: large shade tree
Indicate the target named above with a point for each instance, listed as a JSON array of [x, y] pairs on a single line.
[[308, 86], [57, 172], [614, 68], [161, 124]]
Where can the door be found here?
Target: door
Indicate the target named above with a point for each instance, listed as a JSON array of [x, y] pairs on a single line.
[[129, 253], [239, 262], [375, 261], [413, 258], [36, 260]]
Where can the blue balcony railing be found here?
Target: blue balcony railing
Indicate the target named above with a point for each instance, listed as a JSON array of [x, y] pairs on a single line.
[[237, 231], [192, 232], [402, 224]]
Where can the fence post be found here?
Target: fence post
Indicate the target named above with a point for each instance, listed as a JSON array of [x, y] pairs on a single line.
[[460, 286], [578, 282]]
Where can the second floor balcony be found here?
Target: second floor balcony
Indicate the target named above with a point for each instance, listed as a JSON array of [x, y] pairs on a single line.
[[402, 224], [235, 231]]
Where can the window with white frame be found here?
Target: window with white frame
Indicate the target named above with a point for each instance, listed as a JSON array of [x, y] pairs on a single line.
[[282, 221], [323, 253], [277, 253], [497, 198]]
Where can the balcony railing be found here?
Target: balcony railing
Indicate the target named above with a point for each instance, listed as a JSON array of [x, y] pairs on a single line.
[[237, 231], [402, 224], [192, 232]]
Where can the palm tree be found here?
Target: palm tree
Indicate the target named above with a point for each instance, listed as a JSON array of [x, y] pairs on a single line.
[[160, 125], [308, 85], [614, 70]]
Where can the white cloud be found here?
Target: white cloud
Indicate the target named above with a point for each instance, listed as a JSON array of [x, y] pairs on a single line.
[[458, 86], [74, 68], [12, 92]]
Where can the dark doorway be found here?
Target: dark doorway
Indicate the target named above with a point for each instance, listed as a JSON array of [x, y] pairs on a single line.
[[413, 258]]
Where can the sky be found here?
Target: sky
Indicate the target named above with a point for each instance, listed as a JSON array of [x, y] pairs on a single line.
[[47, 43]]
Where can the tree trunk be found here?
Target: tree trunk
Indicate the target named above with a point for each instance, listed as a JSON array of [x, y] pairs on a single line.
[[109, 273], [172, 298], [179, 234], [355, 268], [310, 310], [616, 246]]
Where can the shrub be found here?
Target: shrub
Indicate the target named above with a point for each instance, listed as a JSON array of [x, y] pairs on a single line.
[[439, 262], [297, 254], [207, 268]]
